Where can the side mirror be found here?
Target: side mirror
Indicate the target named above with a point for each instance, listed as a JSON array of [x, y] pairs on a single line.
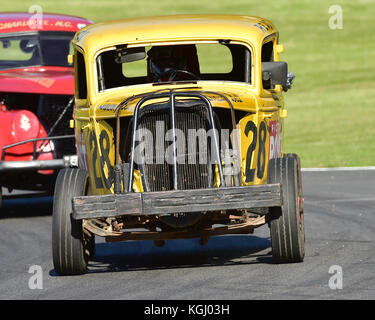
[[124, 55], [28, 46], [277, 73]]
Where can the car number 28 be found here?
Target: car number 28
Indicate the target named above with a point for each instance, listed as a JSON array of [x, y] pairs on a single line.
[[259, 137], [104, 162]]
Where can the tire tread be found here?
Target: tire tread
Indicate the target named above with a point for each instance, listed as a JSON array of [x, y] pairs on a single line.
[[67, 234], [286, 236]]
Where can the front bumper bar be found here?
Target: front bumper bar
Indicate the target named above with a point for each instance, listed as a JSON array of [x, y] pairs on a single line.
[[35, 165], [174, 201]]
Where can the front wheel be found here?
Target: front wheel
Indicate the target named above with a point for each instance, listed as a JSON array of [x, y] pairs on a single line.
[[286, 222], [69, 245]]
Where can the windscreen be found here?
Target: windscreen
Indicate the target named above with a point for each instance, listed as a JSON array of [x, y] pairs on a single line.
[[173, 63], [35, 49]]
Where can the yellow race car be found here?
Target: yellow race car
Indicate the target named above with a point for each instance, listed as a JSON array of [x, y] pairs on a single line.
[[178, 124]]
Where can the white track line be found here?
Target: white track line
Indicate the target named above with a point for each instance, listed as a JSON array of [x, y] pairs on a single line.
[[339, 169], [338, 200]]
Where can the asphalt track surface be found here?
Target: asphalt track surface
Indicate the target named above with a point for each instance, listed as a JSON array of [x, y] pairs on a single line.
[[340, 231]]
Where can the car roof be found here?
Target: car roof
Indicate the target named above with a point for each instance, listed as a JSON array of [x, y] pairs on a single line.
[[173, 27], [23, 22]]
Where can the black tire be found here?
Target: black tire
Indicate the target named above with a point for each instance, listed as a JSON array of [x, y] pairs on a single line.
[[286, 222], [69, 248]]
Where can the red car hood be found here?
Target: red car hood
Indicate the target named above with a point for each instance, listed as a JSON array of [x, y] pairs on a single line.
[[42, 80]]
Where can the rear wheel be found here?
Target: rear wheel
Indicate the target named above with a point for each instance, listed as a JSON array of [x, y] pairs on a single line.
[[286, 222], [70, 246]]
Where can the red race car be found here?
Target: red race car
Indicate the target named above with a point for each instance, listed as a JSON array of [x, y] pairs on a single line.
[[36, 98]]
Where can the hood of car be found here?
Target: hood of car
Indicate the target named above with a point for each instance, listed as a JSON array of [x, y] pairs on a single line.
[[218, 93], [42, 80]]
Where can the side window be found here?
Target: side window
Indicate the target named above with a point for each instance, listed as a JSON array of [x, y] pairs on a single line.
[[81, 86], [267, 56]]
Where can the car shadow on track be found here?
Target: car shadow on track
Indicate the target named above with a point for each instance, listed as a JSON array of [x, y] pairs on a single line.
[[144, 255], [23, 206]]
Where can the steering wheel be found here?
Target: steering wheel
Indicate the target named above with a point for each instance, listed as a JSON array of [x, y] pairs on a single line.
[[175, 72]]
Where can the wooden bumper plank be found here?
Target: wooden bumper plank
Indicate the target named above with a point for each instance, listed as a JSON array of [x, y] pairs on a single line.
[[107, 205], [211, 199], [167, 202]]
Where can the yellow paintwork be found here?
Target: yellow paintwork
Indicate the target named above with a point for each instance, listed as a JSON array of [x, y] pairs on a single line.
[[70, 58], [262, 105], [280, 48]]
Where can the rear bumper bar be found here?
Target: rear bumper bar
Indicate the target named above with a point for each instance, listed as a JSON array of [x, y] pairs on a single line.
[[35, 165], [168, 202]]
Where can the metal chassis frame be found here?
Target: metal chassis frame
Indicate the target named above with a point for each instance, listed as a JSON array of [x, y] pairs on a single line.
[[32, 165]]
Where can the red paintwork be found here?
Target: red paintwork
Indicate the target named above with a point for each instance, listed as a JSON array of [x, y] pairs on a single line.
[[18, 126], [23, 21], [45, 79]]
